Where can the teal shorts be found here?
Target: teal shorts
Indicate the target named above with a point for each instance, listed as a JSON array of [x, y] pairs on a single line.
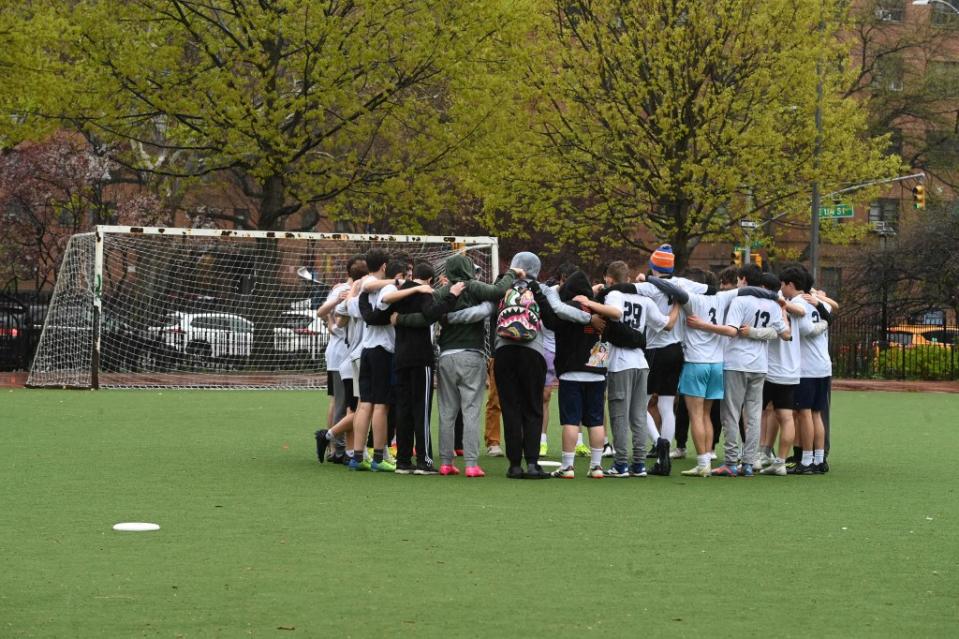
[[702, 380]]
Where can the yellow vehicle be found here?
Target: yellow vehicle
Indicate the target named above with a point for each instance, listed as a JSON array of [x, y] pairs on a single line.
[[910, 335]]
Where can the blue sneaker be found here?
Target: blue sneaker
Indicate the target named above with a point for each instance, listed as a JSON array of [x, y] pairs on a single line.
[[747, 470], [617, 470], [638, 469]]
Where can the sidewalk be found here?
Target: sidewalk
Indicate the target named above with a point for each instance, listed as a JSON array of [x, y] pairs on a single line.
[[894, 386]]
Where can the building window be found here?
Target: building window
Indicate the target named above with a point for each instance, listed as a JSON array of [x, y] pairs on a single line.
[[888, 73], [885, 210], [831, 281], [895, 142], [890, 10], [945, 16], [942, 148], [942, 78]]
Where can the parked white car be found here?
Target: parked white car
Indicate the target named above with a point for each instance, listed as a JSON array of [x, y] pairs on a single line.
[[206, 334], [300, 332]]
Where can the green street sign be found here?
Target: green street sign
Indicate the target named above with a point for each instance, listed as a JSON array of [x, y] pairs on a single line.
[[836, 211], [754, 245]]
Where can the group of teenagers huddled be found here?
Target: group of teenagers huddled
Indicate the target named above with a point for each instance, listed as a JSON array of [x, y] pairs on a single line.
[[749, 351]]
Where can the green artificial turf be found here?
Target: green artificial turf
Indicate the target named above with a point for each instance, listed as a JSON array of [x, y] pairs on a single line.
[[259, 540]]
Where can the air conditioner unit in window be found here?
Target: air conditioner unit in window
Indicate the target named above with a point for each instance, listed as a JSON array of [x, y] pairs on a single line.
[[888, 15], [895, 85]]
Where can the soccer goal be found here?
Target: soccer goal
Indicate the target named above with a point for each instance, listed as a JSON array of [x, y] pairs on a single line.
[[139, 307]]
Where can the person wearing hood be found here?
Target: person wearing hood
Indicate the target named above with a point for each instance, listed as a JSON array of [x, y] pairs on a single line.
[[461, 368], [581, 366], [520, 371]]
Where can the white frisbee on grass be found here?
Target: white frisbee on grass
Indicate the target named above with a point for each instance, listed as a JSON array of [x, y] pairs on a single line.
[[549, 464], [135, 526]]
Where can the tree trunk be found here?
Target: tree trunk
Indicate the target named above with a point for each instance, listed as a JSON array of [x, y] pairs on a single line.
[[263, 309]]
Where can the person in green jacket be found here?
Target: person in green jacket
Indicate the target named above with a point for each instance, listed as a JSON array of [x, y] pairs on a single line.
[[461, 367]]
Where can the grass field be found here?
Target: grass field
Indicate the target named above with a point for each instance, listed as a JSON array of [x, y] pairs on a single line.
[[259, 540]]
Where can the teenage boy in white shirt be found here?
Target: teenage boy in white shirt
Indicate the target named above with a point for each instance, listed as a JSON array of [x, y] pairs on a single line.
[[702, 379], [628, 372], [744, 371]]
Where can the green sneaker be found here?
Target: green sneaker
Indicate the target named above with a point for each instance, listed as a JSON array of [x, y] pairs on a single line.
[[383, 467], [363, 465], [543, 449], [582, 450]]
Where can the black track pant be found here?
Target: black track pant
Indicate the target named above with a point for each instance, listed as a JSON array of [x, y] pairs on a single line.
[[414, 401], [520, 376]]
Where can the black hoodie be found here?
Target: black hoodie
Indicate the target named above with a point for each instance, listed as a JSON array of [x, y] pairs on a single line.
[[574, 341]]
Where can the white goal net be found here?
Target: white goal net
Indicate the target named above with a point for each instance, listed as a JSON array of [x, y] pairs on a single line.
[[205, 308]]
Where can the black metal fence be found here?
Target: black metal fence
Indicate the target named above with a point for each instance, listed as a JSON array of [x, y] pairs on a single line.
[[862, 349], [21, 322]]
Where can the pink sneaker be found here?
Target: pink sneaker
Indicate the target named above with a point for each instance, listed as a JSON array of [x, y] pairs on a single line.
[[449, 469], [474, 471]]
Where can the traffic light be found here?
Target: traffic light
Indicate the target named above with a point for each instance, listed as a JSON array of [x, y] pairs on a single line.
[[919, 197], [757, 259], [737, 258]]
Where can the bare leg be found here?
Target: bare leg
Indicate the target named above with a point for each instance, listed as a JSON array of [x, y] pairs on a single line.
[[787, 432], [361, 425], [380, 418]]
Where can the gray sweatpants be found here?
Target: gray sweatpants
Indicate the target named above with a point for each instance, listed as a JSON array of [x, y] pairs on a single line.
[[627, 397], [462, 379], [743, 395]]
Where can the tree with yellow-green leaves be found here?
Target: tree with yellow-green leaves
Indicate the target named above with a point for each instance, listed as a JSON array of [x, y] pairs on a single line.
[[682, 118], [338, 108]]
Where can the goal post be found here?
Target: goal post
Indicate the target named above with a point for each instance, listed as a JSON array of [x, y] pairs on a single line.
[[155, 307]]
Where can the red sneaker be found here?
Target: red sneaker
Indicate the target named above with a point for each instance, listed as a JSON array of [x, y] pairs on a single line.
[[449, 469], [474, 471]]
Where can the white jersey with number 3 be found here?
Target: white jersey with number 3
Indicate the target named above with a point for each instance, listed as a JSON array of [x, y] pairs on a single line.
[[703, 347]]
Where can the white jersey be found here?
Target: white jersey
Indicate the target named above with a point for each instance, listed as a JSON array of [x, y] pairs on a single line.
[[703, 347], [743, 353], [814, 348], [354, 335], [659, 339], [384, 336], [638, 313], [784, 357], [336, 348]]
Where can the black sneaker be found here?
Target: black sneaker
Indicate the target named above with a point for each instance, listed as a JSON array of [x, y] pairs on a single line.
[[824, 467], [404, 468], [339, 458], [817, 469], [800, 469], [533, 471], [514, 472], [426, 469], [652, 452], [321, 443], [663, 461]]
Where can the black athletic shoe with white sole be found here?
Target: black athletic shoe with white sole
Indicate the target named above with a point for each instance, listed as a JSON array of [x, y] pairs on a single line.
[[663, 461], [321, 444]]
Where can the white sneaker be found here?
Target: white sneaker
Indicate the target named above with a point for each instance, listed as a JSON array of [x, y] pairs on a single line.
[[494, 451], [712, 455], [778, 467], [678, 453], [608, 450], [765, 459]]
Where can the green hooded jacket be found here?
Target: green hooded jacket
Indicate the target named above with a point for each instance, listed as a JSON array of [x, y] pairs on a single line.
[[459, 268]]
